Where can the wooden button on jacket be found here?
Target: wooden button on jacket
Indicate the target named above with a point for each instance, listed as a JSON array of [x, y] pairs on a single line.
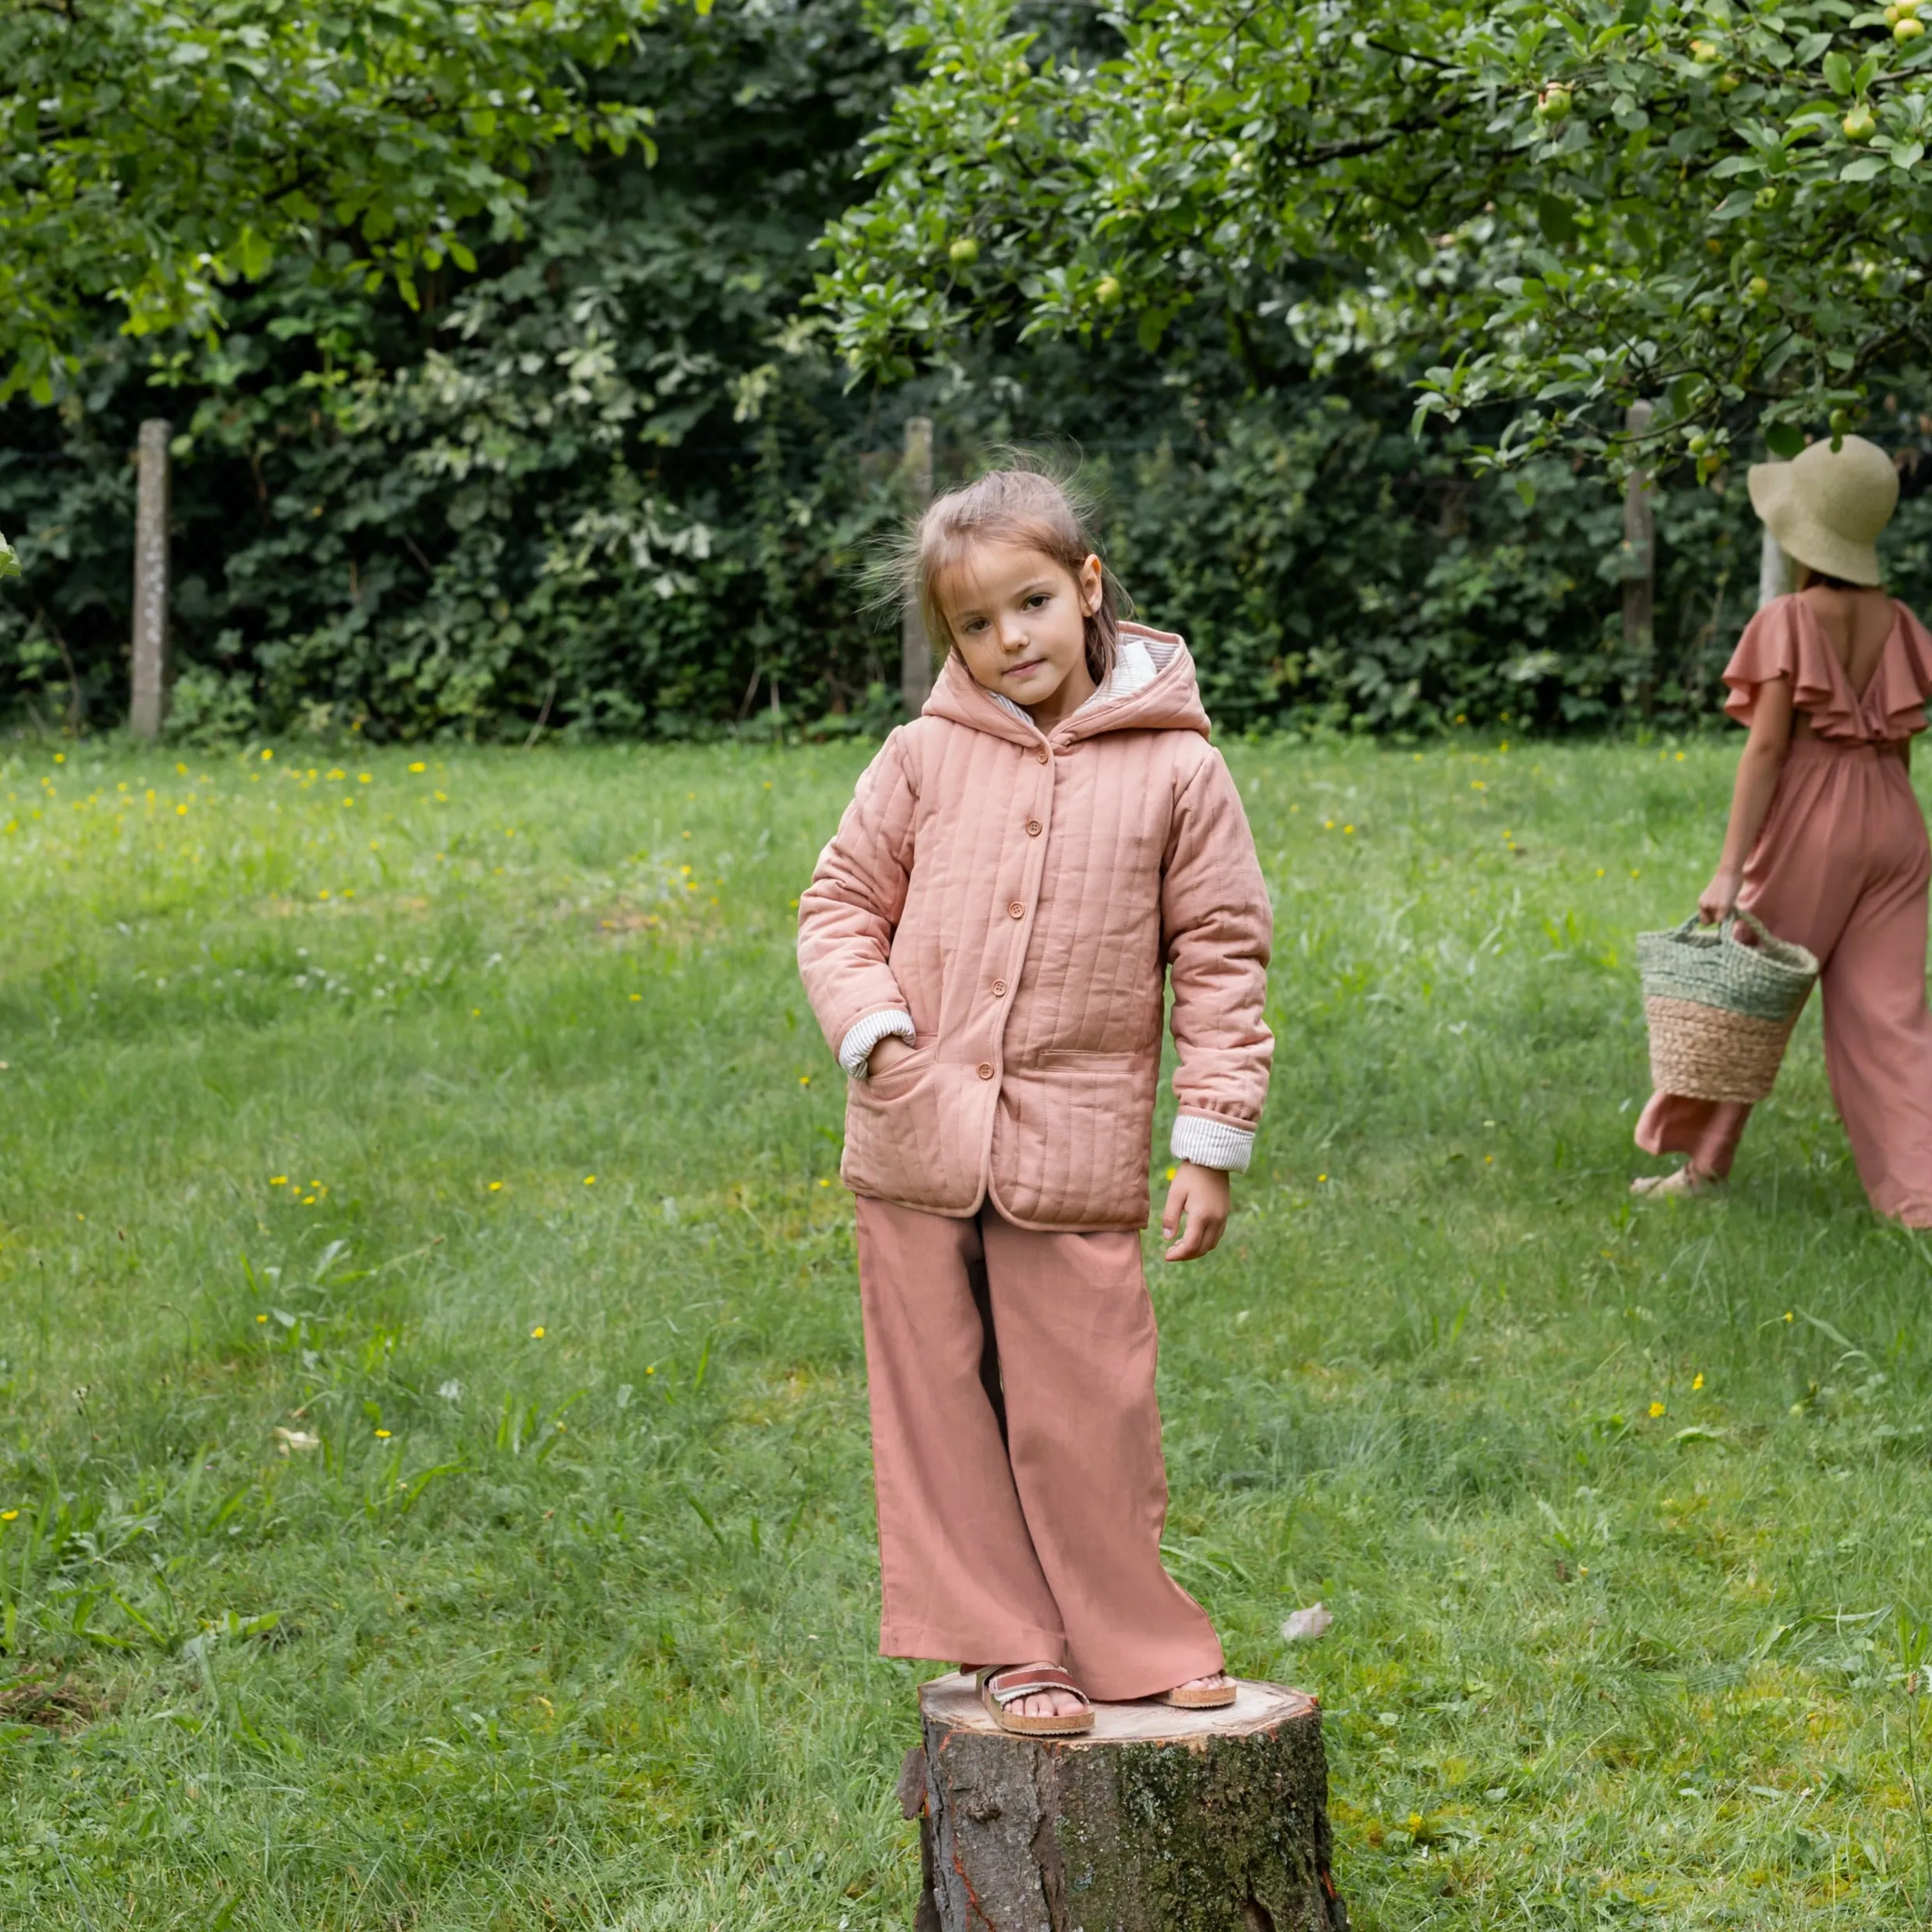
[[1021, 896]]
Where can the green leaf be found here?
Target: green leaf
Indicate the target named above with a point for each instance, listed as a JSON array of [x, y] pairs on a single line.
[[1556, 220], [1784, 439], [9, 559], [1837, 73], [1863, 169]]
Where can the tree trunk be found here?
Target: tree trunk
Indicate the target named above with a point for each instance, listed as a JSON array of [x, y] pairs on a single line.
[[1155, 1820]]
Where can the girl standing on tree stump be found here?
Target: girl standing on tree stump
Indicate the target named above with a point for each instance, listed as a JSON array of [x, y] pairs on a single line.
[[985, 941], [1827, 845]]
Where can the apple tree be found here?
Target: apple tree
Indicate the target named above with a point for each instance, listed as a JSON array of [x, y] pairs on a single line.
[[1554, 206], [157, 154]]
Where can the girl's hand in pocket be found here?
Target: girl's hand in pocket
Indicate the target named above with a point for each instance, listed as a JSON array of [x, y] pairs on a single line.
[[887, 1054], [1205, 1196]]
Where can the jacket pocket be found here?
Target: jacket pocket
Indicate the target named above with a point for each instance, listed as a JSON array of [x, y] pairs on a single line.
[[903, 1074]]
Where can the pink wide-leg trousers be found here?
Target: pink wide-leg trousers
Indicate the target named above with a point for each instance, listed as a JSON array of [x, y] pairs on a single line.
[[1842, 867], [1016, 1452]]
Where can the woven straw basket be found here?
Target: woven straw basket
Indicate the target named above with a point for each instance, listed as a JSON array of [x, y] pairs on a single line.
[[1720, 1010]]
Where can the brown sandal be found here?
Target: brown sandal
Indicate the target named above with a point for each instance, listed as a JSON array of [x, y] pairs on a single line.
[[1201, 1697], [1001, 1685]]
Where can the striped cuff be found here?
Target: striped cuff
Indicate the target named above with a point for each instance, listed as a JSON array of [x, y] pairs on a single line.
[[855, 1049], [1212, 1143]]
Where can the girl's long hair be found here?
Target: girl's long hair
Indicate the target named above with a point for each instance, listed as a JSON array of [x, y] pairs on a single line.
[[1018, 503]]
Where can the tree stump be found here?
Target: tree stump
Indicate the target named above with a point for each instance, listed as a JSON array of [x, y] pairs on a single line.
[[1155, 1820]]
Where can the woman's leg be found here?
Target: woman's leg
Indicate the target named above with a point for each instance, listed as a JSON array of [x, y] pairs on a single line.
[[1708, 1131], [1878, 1033], [958, 1574], [1077, 1350]]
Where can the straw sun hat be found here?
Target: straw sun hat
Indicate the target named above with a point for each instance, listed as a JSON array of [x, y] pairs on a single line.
[[1826, 506]]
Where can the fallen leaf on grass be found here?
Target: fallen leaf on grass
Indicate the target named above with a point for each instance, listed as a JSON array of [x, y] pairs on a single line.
[[1304, 1626], [288, 1439]]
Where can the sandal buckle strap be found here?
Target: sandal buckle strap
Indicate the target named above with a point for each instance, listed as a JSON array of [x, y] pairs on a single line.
[[1007, 1686]]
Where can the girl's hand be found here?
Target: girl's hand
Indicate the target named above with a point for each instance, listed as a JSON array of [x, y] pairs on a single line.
[[1205, 1197], [890, 1051], [1718, 899]]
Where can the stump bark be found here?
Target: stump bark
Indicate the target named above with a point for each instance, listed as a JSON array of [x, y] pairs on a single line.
[[1155, 1820]]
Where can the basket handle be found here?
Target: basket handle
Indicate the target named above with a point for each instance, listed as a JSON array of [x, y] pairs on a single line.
[[1751, 920]]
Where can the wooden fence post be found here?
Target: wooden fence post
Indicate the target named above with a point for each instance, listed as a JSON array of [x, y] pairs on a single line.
[[148, 702], [916, 649], [1640, 568]]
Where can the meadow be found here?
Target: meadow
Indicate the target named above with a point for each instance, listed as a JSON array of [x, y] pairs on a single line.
[[434, 1489]]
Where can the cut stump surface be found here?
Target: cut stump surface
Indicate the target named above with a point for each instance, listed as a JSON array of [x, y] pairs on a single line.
[[1155, 1820]]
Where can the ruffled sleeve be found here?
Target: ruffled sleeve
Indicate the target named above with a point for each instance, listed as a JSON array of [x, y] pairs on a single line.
[[1895, 706], [1783, 640]]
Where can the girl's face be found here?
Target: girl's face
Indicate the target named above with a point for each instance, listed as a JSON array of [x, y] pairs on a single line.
[[1019, 620]]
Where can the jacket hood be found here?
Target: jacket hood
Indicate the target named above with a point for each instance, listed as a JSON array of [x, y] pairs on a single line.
[[1170, 702]]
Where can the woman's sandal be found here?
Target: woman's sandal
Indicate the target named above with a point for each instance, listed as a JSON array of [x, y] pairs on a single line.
[[1000, 1686], [1687, 1181], [1201, 1697]]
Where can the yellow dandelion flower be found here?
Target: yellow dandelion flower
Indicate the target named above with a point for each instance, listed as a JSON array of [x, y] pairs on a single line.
[[476, 1013], [1696, 1380], [419, 766], [10, 1516], [337, 773], [60, 758], [1348, 831], [1320, 1179], [266, 755], [381, 1435], [805, 1079], [362, 777], [589, 1180], [496, 1187], [180, 811], [1172, 1171], [1791, 1314], [1656, 1409], [636, 996], [278, 1180], [652, 1370], [537, 1333], [823, 1182], [261, 1318]]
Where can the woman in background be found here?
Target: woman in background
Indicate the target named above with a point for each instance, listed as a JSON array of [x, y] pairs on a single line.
[[1827, 845]]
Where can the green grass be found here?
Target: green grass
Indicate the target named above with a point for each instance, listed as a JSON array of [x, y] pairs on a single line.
[[586, 1639]]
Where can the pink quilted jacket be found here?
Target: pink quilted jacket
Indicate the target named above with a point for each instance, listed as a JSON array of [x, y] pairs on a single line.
[[1019, 896]]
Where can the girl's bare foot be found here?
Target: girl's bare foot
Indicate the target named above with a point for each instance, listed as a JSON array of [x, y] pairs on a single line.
[[1688, 1180]]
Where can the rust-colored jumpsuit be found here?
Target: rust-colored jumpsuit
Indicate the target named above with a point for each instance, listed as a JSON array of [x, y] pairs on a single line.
[[1841, 866]]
